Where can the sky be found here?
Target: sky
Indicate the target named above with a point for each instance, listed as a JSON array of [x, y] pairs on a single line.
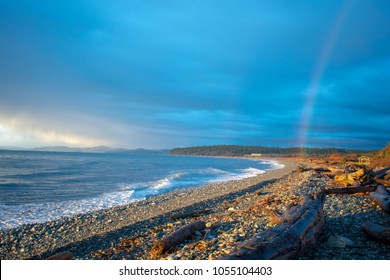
[[172, 73]]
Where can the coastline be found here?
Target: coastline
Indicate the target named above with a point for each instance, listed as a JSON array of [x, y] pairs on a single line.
[[38, 241], [238, 210]]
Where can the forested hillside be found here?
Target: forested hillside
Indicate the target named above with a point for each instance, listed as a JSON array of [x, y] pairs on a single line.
[[237, 150]]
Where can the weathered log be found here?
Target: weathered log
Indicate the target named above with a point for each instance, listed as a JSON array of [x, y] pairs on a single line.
[[328, 176], [300, 169], [190, 214], [348, 179], [321, 169], [286, 241], [160, 247], [382, 198], [383, 182], [351, 190], [380, 173], [377, 232], [61, 256]]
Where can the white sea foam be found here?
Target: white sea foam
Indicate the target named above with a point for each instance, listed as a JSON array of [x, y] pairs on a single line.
[[241, 174], [162, 183], [212, 170], [169, 181], [14, 216], [275, 164]]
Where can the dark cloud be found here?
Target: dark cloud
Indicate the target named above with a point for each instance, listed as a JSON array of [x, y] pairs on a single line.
[[176, 73]]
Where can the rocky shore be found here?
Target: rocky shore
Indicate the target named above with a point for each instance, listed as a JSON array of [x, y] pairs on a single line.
[[237, 211]]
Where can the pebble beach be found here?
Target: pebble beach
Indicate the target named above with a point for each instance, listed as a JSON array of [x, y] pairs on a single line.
[[237, 210]]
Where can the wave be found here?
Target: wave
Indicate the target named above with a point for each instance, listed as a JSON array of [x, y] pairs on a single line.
[[241, 174], [275, 165], [212, 170], [169, 181], [14, 216]]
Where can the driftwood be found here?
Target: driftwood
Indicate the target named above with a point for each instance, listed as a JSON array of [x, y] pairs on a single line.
[[160, 247], [61, 256], [321, 169], [348, 179], [298, 233], [190, 214], [280, 218], [383, 182], [318, 169], [351, 190], [382, 198], [377, 232], [380, 173], [300, 169]]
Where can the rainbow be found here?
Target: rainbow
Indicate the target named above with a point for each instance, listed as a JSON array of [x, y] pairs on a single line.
[[312, 90]]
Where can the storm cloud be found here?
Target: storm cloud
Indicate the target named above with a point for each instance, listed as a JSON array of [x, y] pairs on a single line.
[[160, 74]]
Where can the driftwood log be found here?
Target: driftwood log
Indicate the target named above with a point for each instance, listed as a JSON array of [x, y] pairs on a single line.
[[61, 256], [382, 198], [160, 247], [190, 214], [348, 179], [300, 169], [322, 169], [280, 218], [298, 233], [381, 173], [377, 232], [318, 169], [351, 190], [383, 182]]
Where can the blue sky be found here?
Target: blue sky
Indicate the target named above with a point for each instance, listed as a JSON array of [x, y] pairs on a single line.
[[163, 74]]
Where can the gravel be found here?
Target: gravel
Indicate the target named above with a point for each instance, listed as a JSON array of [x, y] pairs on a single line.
[[239, 209]]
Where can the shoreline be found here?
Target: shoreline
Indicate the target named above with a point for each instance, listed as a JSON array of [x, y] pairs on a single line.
[[125, 193], [75, 233]]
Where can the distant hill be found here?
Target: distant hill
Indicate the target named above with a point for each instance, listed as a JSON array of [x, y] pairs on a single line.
[[98, 149], [237, 150]]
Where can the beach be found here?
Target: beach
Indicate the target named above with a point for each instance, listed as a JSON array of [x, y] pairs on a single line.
[[238, 209]]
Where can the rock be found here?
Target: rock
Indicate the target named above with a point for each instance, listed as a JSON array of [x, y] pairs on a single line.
[[338, 241], [231, 209]]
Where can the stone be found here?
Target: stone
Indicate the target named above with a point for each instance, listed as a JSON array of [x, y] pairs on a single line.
[[338, 241]]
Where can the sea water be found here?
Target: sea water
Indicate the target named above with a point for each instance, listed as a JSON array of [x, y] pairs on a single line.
[[37, 187]]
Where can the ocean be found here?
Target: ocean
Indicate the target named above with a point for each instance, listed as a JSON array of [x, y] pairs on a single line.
[[36, 187]]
